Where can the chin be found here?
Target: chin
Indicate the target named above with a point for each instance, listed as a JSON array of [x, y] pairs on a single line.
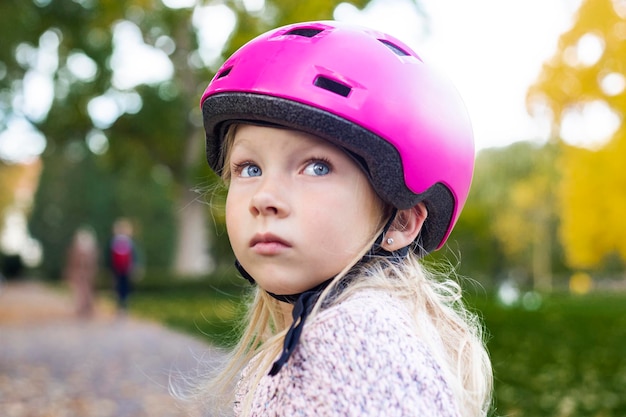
[[284, 282], [279, 290], [282, 288]]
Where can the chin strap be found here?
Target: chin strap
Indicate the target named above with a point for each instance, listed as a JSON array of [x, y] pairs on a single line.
[[304, 302], [301, 310]]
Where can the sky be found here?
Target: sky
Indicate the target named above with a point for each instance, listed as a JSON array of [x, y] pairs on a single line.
[[492, 50]]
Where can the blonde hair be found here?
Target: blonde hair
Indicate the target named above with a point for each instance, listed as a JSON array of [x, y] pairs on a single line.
[[433, 297]]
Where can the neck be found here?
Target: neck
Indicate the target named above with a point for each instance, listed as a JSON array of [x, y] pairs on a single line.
[[286, 310]]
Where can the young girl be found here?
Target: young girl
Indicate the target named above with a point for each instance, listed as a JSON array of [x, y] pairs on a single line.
[[347, 160]]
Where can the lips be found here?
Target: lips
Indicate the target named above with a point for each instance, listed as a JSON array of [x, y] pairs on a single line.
[[268, 244]]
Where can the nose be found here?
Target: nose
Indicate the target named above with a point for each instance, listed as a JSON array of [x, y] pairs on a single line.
[[269, 199]]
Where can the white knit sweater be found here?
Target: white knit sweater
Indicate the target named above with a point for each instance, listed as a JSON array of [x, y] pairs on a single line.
[[359, 358]]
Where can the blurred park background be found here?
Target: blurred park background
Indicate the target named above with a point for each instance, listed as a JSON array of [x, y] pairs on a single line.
[[85, 140]]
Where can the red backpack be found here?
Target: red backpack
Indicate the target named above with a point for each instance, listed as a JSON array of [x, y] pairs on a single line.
[[121, 254]]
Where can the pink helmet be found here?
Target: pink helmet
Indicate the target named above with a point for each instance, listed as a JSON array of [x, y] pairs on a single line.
[[364, 91]]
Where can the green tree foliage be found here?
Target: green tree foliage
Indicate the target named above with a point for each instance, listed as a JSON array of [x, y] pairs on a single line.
[[77, 189], [591, 197], [511, 213]]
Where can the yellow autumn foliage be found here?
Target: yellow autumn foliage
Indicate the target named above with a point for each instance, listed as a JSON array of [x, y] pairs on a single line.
[[593, 203], [592, 192]]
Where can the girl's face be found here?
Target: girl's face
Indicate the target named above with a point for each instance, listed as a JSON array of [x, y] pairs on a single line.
[[298, 208]]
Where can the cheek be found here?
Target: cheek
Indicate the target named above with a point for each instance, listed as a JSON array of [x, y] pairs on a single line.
[[352, 219], [230, 212], [365, 205], [370, 205]]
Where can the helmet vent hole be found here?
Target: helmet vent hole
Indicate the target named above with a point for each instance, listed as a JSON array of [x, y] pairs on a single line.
[[224, 73], [394, 48], [306, 32], [332, 86]]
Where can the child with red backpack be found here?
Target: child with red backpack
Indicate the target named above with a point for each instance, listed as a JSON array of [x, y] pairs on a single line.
[[122, 260]]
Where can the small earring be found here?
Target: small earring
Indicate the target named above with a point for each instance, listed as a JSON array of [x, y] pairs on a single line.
[[390, 241]]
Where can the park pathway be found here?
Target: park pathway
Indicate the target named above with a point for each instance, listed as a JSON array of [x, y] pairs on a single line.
[[53, 364]]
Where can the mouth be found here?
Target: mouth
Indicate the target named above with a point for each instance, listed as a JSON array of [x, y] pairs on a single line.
[[268, 244]]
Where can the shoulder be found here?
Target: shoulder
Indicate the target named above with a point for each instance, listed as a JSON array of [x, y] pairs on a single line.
[[375, 306], [367, 320], [371, 329], [361, 357], [365, 354]]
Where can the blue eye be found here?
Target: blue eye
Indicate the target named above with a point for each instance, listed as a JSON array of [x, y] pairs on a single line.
[[317, 168], [250, 170]]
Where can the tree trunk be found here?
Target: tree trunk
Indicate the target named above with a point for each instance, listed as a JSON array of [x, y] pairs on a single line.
[[192, 257], [542, 255]]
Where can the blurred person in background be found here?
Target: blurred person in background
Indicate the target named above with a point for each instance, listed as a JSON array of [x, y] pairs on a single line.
[[81, 269], [122, 261]]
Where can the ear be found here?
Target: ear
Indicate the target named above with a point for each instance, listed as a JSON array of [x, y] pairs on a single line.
[[405, 228]]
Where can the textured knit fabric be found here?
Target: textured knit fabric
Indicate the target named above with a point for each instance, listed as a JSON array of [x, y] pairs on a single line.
[[359, 358]]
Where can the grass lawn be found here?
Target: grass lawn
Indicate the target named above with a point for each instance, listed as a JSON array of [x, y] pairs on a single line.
[[565, 357], [196, 308]]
